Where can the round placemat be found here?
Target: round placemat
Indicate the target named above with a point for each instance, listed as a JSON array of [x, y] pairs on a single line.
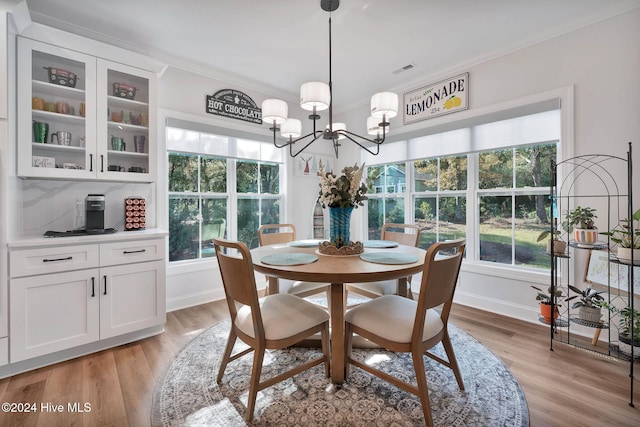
[[380, 244], [289, 259], [389, 258]]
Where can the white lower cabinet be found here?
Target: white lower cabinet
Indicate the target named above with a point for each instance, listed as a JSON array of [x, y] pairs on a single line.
[[53, 312], [62, 310], [130, 298]]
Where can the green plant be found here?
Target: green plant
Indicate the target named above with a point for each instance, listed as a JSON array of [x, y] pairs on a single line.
[[543, 235], [545, 298], [621, 233], [579, 218], [587, 297], [627, 317]]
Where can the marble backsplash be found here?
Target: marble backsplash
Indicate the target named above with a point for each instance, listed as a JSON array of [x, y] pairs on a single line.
[[50, 205]]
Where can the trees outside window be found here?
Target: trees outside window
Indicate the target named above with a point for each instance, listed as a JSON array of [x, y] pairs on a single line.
[[507, 196], [440, 198], [201, 191]]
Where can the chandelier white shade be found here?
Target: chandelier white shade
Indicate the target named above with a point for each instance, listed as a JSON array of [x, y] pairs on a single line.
[[318, 96], [274, 111], [292, 128], [373, 126], [337, 126], [384, 104], [315, 95]]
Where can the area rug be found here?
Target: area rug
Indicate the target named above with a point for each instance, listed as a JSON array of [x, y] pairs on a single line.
[[187, 393]]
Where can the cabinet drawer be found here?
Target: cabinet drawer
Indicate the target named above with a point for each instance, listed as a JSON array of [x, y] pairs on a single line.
[[129, 252], [52, 260]]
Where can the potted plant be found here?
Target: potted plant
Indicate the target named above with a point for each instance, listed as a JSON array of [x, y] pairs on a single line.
[[589, 303], [555, 245], [545, 300], [626, 339], [627, 235], [580, 222]]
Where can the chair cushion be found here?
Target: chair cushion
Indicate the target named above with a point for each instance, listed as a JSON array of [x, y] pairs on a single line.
[[283, 315], [391, 317], [384, 287], [299, 287]]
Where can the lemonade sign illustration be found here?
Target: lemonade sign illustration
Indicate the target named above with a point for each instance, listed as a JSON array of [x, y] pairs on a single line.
[[444, 97]]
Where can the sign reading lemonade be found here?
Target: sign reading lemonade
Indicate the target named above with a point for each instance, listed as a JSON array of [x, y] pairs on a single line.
[[444, 97]]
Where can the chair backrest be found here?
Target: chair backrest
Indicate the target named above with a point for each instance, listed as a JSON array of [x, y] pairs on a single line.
[[272, 234], [238, 279], [439, 279], [405, 234]]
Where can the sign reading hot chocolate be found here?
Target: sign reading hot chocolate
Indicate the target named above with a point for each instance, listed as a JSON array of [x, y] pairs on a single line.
[[234, 104], [444, 97]]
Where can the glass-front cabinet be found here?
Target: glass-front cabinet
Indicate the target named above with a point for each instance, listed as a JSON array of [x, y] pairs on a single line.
[[81, 117]]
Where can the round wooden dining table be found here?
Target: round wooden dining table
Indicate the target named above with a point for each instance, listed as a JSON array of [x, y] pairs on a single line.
[[385, 263]]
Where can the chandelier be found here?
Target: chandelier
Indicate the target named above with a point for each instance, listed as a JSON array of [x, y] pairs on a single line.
[[318, 96]]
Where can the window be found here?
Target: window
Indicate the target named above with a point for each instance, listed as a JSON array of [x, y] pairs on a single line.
[[386, 185], [205, 188], [257, 187], [513, 201], [440, 199], [197, 205], [493, 188]]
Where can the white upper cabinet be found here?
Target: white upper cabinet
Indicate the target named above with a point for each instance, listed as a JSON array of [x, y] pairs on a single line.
[[81, 117]]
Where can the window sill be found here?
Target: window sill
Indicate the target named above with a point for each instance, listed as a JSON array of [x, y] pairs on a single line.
[[506, 271]]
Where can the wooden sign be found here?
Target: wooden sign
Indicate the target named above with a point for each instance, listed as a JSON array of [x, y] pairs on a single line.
[[234, 104], [444, 97]]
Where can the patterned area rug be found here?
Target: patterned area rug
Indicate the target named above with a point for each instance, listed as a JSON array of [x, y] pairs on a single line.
[[187, 394]]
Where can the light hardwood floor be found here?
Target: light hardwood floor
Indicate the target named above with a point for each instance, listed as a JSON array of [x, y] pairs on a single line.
[[564, 387]]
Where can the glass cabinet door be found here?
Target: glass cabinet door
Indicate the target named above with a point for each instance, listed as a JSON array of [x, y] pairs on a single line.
[[56, 111], [126, 136]]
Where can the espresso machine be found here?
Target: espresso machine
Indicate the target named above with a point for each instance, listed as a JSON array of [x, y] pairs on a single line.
[[94, 207]]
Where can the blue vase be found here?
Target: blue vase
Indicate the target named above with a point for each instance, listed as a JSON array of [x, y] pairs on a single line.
[[339, 226]]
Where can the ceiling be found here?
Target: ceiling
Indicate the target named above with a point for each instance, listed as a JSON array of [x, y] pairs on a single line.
[[275, 45]]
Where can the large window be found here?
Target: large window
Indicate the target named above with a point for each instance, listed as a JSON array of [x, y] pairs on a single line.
[[217, 196], [493, 188]]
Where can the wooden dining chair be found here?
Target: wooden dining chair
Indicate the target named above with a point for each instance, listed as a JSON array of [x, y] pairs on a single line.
[[272, 234], [269, 323], [404, 234], [403, 325]]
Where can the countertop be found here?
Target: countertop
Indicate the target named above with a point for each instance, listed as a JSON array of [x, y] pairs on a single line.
[[119, 236]]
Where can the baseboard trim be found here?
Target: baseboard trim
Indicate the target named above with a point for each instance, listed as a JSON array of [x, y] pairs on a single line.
[[49, 359], [186, 301]]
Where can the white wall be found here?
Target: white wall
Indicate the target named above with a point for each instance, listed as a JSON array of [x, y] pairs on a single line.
[[601, 61]]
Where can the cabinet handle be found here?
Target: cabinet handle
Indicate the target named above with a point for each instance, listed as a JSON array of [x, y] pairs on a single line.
[[134, 252], [105, 285], [93, 287], [57, 259], [101, 163], [91, 162]]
